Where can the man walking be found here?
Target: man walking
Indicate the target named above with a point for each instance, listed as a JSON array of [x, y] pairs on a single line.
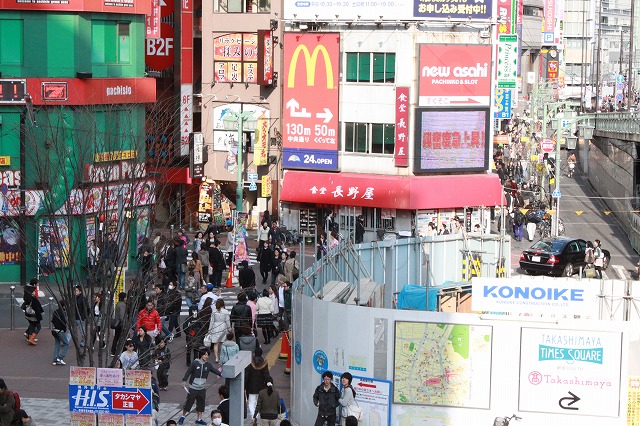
[[326, 397], [81, 314], [32, 311], [197, 375], [60, 333], [216, 259]]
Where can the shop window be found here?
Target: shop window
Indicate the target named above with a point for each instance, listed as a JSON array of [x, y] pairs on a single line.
[[11, 41], [242, 6], [110, 42], [369, 138], [366, 67], [373, 219]]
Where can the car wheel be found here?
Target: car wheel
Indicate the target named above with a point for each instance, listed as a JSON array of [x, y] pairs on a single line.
[[568, 270], [605, 263]]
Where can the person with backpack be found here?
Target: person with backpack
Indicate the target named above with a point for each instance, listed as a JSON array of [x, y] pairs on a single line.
[[241, 316], [255, 380], [9, 404], [291, 267], [518, 223]]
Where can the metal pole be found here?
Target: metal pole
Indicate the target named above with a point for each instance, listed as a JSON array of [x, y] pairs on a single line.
[[598, 56], [583, 46], [558, 137], [240, 119], [50, 316], [13, 307], [631, 56]]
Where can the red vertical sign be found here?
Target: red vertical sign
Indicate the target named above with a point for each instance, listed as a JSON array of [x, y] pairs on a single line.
[[265, 57], [153, 20], [402, 129], [310, 98]]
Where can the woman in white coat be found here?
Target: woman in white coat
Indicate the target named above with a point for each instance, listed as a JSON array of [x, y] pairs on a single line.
[[264, 307], [219, 325]]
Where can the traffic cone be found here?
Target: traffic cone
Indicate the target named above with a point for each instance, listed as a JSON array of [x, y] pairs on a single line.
[[38, 292], [285, 348], [287, 368], [230, 277]]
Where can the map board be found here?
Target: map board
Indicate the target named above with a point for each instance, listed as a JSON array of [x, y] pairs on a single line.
[[373, 396], [442, 364], [572, 372]]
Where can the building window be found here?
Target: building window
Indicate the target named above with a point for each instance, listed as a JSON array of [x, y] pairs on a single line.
[[369, 138], [10, 42], [110, 42], [363, 67], [242, 6]]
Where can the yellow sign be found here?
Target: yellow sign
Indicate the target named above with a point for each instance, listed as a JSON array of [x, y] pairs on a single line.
[[5, 160], [115, 156], [266, 186], [525, 139], [310, 60], [261, 146]]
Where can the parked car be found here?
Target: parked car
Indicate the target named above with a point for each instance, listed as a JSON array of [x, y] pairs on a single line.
[[559, 256]]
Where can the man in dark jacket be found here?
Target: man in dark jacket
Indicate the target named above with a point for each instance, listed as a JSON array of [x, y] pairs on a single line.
[[181, 262], [7, 404], [120, 318], [60, 333], [216, 260], [359, 230], [197, 375], [174, 306], [81, 314], [241, 316], [246, 276], [171, 261], [326, 397]]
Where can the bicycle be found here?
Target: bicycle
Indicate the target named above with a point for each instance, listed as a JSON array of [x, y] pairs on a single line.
[[504, 421]]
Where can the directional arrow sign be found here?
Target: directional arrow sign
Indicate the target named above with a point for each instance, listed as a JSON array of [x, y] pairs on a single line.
[[326, 115], [567, 402], [293, 106], [129, 401]]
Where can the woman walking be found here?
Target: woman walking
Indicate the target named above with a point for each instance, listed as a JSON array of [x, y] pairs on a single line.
[[219, 325], [268, 405], [264, 320]]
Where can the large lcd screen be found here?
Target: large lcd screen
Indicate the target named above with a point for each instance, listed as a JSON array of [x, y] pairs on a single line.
[[451, 139]]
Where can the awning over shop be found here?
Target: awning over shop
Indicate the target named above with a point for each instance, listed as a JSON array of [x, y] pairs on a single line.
[[396, 192]]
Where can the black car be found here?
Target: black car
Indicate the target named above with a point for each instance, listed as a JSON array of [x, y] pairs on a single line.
[[559, 256]]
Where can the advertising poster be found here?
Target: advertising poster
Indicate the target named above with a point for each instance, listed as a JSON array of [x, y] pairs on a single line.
[[143, 225], [571, 372], [451, 139], [507, 68], [233, 56], [53, 245], [502, 101], [137, 379], [442, 364], [240, 238], [83, 419], [138, 420], [265, 183], [261, 146], [83, 376], [9, 241], [109, 377], [454, 74], [311, 99], [205, 202], [633, 407], [423, 218], [105, 419], [452, 9]]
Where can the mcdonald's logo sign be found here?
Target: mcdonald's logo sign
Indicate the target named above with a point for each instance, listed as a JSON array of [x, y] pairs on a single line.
[[311, 60]]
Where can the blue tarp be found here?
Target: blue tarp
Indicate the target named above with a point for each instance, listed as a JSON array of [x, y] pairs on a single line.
[[413, 297]]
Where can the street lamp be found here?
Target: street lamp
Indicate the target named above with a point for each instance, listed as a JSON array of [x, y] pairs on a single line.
[[236, 121]]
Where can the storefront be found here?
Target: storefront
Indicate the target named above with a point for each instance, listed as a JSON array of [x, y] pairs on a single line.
[[395, 204]]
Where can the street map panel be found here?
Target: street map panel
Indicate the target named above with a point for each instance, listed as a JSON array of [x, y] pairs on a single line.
[[442, 364]]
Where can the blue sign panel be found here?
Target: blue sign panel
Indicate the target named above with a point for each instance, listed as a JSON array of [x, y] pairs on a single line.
[[310, 159], [112, 400], [502, 104], [478, 9]]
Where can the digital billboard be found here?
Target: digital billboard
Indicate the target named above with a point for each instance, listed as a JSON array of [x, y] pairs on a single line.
[[451, 139]]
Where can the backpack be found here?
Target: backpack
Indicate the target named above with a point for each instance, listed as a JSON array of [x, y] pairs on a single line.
[[589, 257], [16, 397], [518, 218], [295, 273]]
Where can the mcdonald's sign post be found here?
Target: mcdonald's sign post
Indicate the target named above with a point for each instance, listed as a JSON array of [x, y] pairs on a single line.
[[311, 90]]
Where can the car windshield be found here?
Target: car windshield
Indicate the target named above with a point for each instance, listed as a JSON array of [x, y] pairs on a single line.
[[552, 246]]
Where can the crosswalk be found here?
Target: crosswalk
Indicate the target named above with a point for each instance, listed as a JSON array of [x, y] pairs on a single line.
[[229, 295]]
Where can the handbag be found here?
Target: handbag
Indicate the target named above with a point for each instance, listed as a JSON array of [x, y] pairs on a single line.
[[590, 272], [355, 411]]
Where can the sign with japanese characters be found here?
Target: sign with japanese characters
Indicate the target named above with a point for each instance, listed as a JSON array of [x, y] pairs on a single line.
[[266, 186], [265, 57], [311, 95], [570, 372], [502, 104], [451, 139], [261, 144], [114, 400], [235, 58], [454, 74], [401, 157], [403, 10], [507, 12], [507, 70]]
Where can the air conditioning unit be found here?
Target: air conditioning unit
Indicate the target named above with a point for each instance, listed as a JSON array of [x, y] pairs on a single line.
[[485, 34]]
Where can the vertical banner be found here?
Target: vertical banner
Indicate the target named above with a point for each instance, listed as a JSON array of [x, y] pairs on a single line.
[[507, 12], [186, 76], [507, 72], [311, 98], [205, 202], [153, 20], [240, 238], [402, 121], [265, 182], [502, 104], [261, 144], [548, 22], [265, 57], [196, 155], [186, 117]]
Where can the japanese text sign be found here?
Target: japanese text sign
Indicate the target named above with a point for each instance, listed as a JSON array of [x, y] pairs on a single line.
[[266, 186], [451, 139], [507, 73], [235, 58], [502, 104], [265, 57], [261, 145], [401, 157], [311, 95], [113, 400], [507, 12], [454, 74], [465, 9]]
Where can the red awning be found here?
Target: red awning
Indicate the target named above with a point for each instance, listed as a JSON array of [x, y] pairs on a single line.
[[394, 192]]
